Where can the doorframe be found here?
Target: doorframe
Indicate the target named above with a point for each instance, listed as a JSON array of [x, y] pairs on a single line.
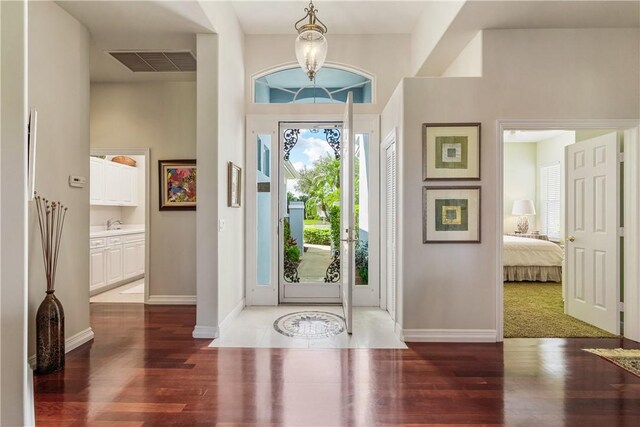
[[631, 199], [268, 124], [147, 200]]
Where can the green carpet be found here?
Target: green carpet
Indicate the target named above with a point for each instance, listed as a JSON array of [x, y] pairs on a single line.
[[535, 310]]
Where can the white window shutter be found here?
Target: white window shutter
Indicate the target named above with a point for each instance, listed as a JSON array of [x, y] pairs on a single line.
[[550, 200]]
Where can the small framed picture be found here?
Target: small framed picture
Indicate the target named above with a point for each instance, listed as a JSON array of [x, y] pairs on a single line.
[[177, 184], [235, 185], [451, 151], [451, 214]]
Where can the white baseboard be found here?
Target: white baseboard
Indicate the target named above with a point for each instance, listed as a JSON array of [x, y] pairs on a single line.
[[171, 300], [232, 315], [448, 335], [398, 331], [211, 332], [70, 343]]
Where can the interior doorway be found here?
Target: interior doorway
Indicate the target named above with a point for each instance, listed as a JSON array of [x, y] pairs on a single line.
[[562, 247], [119, 194]]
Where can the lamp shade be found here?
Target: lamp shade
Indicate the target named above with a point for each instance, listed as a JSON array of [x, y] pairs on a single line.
[[523, 207], [311, 51]]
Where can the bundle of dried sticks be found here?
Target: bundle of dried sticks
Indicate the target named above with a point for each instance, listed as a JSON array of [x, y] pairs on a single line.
[[51, 216]]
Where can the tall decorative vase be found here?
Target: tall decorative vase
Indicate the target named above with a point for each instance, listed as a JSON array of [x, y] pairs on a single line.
[[49, 335]]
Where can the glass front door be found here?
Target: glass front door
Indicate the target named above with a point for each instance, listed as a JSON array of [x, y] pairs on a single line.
[[309, 228]]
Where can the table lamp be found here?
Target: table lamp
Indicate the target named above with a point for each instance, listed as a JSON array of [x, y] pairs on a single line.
[[522, 208]]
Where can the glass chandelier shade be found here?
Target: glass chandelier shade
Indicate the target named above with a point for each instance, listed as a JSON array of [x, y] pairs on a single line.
[[311, 44], [311, 51]]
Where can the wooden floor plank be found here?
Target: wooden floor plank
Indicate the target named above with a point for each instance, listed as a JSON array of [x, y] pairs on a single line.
[[145, 369]]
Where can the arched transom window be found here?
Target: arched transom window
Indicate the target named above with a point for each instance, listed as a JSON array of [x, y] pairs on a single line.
[[331, 85]]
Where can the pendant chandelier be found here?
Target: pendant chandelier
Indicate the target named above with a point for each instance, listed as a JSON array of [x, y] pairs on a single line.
[[311, 44]]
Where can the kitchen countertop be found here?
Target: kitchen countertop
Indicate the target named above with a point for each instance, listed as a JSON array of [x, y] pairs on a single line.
[[126, 229]]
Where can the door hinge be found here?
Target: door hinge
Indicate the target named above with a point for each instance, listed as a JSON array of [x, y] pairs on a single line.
[[620, 306], [620, 231], [621, 157]]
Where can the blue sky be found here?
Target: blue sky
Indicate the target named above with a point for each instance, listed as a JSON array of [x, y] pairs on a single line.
[[310, 148]]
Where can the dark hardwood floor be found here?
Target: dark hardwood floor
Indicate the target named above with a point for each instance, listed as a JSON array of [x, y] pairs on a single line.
[[143, 368]]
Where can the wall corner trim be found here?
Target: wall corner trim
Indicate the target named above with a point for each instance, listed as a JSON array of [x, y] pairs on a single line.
[[209, 332], [70, 343], [171, 300], [449, 335], [226, 322]]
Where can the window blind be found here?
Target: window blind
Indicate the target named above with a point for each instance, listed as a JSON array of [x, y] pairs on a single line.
[[550, 200]]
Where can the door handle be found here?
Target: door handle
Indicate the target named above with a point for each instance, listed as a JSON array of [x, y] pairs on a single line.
[[571, 238], [349, 240]]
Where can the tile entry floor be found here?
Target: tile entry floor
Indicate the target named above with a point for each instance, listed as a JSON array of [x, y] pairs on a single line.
[[125, 293], [253, 328]]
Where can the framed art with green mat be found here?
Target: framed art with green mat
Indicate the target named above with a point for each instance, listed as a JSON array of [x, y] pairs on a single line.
[[451, 214], [450, 151]]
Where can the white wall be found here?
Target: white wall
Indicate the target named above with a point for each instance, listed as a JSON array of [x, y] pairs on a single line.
[[431, 26], [386, 56], [16, 396], [528, 74], [161, 117], [59, 89], [231, 145], [99, 215], [469, 62], [548, 152], [520, 180]]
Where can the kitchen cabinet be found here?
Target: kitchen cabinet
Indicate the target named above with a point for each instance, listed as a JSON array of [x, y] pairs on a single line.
[[98, 268], [133, 255], [116, 260], [112, 184], [96, 179], [115, 272]]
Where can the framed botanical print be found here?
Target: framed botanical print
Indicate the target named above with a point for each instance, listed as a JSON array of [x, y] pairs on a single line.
[[235, 185], [177, 184], [451, 214], [451, 151]]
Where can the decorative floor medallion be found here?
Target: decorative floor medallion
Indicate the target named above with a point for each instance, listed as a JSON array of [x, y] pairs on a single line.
[[309, 324]]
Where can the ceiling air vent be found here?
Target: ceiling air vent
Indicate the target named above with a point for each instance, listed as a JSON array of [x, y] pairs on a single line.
[[160, 61]]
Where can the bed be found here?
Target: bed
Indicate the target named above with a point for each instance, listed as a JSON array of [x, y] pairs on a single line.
[[531, 260]]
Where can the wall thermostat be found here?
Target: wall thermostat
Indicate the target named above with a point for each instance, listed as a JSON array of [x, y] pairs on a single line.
[[77, 181]]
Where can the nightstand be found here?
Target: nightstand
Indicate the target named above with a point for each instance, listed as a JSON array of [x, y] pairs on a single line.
[[530, 236]]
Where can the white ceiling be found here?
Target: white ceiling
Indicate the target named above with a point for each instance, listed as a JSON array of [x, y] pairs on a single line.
[[522, 136], [172, 25], [341, 17], [522, 14], [137, 25]]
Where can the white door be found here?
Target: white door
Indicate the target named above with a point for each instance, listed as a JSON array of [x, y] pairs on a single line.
[[309, 267], [390, 227], [347, 220], [592, 249]]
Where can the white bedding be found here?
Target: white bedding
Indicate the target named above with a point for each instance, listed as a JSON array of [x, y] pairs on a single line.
[[522, 251]]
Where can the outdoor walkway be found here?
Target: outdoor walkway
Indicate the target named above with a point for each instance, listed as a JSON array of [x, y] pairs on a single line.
[[315, 261]]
